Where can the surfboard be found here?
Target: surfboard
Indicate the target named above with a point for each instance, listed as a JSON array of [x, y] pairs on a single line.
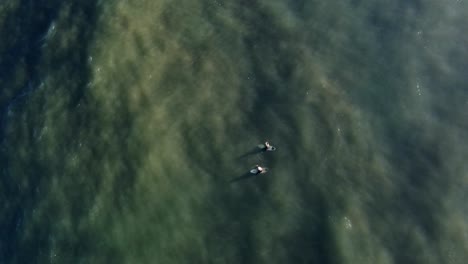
[[262, 146], [255, 171]]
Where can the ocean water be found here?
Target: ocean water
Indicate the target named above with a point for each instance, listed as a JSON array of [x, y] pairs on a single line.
[[127, 129]]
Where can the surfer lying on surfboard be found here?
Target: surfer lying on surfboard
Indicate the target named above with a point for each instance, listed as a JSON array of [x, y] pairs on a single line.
[[268, 147], [258, 170]]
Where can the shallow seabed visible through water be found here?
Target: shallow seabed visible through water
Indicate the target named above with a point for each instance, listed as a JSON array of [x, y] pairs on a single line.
[[127, 129]]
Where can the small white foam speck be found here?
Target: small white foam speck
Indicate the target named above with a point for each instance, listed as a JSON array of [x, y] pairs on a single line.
[[347, 223]]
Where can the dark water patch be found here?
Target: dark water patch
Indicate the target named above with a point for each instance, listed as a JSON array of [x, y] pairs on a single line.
[[24, 26], [68, 57], [30, 167], [391, 22]]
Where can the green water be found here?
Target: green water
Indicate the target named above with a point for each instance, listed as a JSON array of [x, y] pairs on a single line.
[[122, 124]]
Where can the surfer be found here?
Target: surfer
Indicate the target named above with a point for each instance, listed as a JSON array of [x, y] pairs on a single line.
[[258, 170], [268, 147]]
